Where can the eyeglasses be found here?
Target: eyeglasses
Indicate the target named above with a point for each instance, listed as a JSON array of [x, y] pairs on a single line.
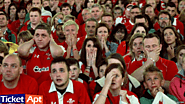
[[164, 18]]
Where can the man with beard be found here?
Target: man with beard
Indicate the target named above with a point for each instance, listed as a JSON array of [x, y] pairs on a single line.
[[62, 90], [164, 19], [60, 35]]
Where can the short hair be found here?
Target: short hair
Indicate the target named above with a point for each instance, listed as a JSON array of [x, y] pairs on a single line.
[[92, 19], [146, 6], [103, 62], [72, 61], [70, 22], [113, 66], [118, 57], [170, 4], [20, 62], [164, 12], [137, 25], [134, 36], [65, 5], [152, 69], [4, 15], [25, 36], [139, 17], [107, 14], [35, 9], [21, 8], [3, 48], [102, 25], [44, 26], [96, 5], [135, 6], [152, 35], [117, 8], [59, 59], [69, 17]]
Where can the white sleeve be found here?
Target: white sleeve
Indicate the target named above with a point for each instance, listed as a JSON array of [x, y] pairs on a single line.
[[96, 97]]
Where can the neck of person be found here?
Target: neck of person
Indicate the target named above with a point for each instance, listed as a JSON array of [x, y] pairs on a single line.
[[173, 44], [11, 84], [34, 26], [21, 20], [44, 49], [3, 29], [115, 92]]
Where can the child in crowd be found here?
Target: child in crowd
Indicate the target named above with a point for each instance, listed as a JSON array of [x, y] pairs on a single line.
[[75, 71], [177, 85], [153, 82]]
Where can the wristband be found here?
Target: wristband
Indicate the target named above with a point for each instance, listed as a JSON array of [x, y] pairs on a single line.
[[103, 95], [87, 71], [88, 67], [74, 49]]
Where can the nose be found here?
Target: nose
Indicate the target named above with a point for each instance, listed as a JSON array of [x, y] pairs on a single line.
[[40, 38]]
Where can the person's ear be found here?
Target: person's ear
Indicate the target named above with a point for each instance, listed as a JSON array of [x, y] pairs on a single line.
[[160, 46], [21, 70], [145, 85], [50, 76], [162, 82]]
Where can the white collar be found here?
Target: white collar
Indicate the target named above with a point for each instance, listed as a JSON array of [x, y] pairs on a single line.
[[5, 31], [131, 22], [174, 22], [181, 72], [69, 87]]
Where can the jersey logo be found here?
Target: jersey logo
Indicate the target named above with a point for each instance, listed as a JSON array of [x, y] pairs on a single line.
[[70, 101], [53, 103], [37, 69]]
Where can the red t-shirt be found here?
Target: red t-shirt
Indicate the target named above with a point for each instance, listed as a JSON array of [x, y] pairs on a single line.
[[122, 48], [167, 67], [38, 65], [79, 95], [26, 85]]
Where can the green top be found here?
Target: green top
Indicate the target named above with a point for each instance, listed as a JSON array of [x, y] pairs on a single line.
[[144, 100]]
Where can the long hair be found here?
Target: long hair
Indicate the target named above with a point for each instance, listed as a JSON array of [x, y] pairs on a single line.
[[16, 15], [99, 51]]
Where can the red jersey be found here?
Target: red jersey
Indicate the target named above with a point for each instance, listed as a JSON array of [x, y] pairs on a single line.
[[122, 48], [75, 93], [16, 24], [129, 25], [25, 85], [167, 67], [38, 65]]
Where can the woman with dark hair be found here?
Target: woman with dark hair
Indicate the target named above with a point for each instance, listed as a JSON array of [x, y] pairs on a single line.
[[118, 34], [12, 12], [178, 56], [91, 56], [115, 75], [123, 48], [88, 3], [102, 34], [171, 40]]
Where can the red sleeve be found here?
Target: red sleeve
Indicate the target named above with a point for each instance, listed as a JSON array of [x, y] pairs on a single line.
[[92, 86], [171, 70], [33, 87], [180, 27], [134, 66], [80, 19], [121, 48], [83, 96]]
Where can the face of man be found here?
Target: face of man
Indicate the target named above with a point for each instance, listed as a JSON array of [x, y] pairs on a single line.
[[108, 20], [45, 3], [36, 3], [171, 10], [141, 20], [150, 12], [42, 39], [134, 12], [96, 13], [66, 11], [86, 15], [152, 3], [59, 32], [60, 75], [117, 13], [164, 20], [90, 28], [3, 21], [35, 17], [151, 44], [11, 68], [22, 14]]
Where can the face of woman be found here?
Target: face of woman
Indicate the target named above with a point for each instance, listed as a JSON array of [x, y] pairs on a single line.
[[102, 33], [182, 51], [12, 10], [102, 70], [117, 79], [181, 5], [140, 30], [169, 36], [90, 3], [90, 47], [120, 34], [137, 46], [57, 19]]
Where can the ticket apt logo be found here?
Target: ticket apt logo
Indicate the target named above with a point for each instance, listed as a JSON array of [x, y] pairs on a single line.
[[22, 98]]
